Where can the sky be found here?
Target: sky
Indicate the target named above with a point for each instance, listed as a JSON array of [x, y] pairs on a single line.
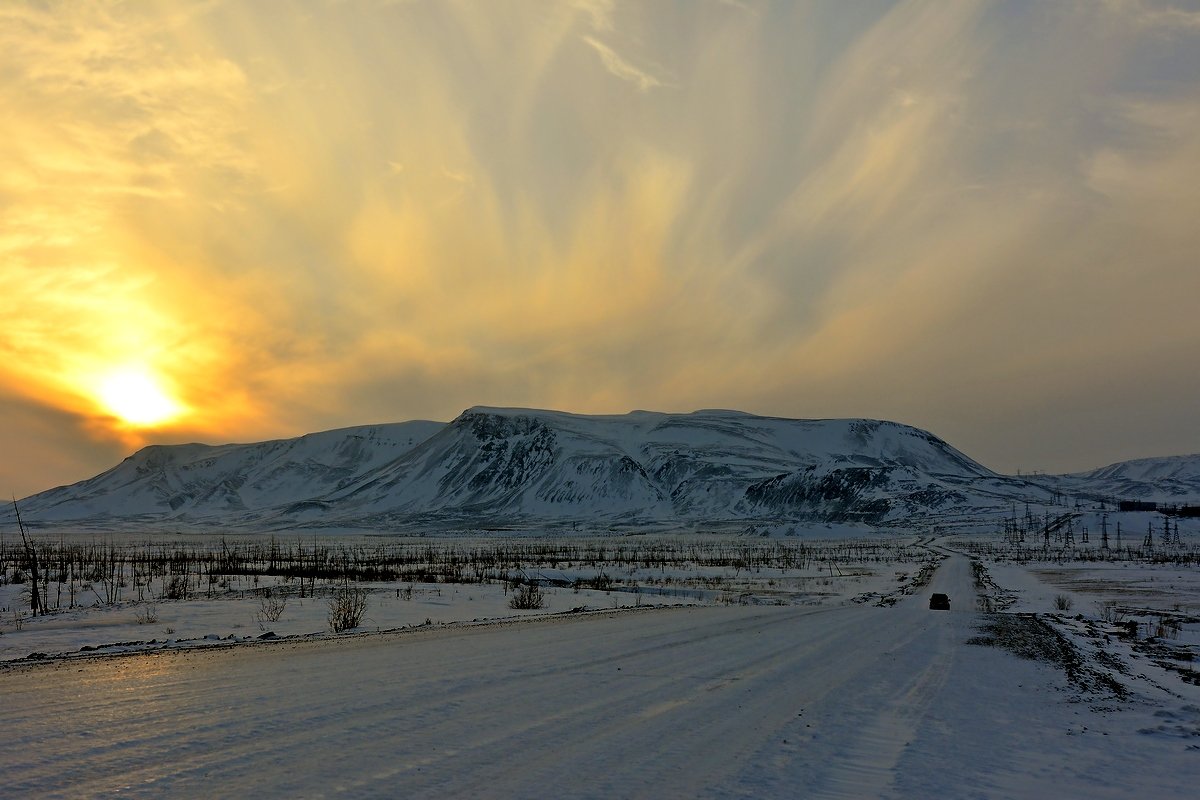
[[229, 221]]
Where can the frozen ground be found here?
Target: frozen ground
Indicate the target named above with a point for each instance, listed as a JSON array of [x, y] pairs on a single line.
[[228, 608], [839, 699], [236, 617]]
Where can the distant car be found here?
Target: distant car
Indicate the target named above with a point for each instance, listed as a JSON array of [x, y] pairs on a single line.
[[939, 602]]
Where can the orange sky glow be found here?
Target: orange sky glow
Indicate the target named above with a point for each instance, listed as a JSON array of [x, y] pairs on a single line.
[[226, 221]]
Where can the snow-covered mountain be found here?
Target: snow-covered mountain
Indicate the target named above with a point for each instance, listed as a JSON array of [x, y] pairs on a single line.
[[1170, 479], [164, 482], [683, 468], [495, 467]]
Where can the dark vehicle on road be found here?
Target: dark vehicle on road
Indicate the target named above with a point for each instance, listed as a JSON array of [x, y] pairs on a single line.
[[939, 602]]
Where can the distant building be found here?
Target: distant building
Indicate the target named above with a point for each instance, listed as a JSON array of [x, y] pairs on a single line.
[[1137, 505]]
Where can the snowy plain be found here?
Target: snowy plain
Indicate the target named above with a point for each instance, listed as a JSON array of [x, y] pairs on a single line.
[[849, 687], [129, 612]]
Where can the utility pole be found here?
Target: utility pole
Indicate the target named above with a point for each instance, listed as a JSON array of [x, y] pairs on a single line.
[[1104, 531]]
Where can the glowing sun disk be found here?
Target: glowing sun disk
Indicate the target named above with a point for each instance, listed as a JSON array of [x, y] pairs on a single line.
[[136, 398]]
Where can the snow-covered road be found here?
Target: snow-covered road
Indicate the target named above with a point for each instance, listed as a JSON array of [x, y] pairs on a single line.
[[847, 701]]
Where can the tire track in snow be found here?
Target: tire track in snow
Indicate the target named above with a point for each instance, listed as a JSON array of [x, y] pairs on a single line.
[[617, 714], [866, 765], [690, 702], [858, 725]]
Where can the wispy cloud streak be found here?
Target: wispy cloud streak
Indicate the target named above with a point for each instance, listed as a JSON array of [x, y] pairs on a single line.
[[960, 216]]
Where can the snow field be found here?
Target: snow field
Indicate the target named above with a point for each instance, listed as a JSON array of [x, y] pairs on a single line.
[[832, 694], [219, 607]]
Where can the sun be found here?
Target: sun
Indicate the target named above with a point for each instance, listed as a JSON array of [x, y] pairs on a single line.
[[137, 398]]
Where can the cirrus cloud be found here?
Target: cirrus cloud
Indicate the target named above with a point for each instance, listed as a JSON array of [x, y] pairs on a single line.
[[966, 217]]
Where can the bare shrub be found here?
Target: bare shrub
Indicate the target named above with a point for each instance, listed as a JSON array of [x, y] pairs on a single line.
[[527, 597], [1062, 602], [1167, 628], [1109, 612], [176, 587], [346, 608], [600, 581], [271, 606], [147, 615]]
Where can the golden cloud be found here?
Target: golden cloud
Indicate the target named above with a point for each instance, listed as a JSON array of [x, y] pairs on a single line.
[[297, 218]]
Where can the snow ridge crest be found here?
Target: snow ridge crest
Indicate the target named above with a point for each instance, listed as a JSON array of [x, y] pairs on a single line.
[[548, 468]]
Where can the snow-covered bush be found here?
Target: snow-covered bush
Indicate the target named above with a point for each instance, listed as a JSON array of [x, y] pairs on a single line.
[[527, 597], [271, 606], [346, 608]]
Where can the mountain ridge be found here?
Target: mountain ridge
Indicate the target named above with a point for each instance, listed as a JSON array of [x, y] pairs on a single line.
[[544, 468]]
